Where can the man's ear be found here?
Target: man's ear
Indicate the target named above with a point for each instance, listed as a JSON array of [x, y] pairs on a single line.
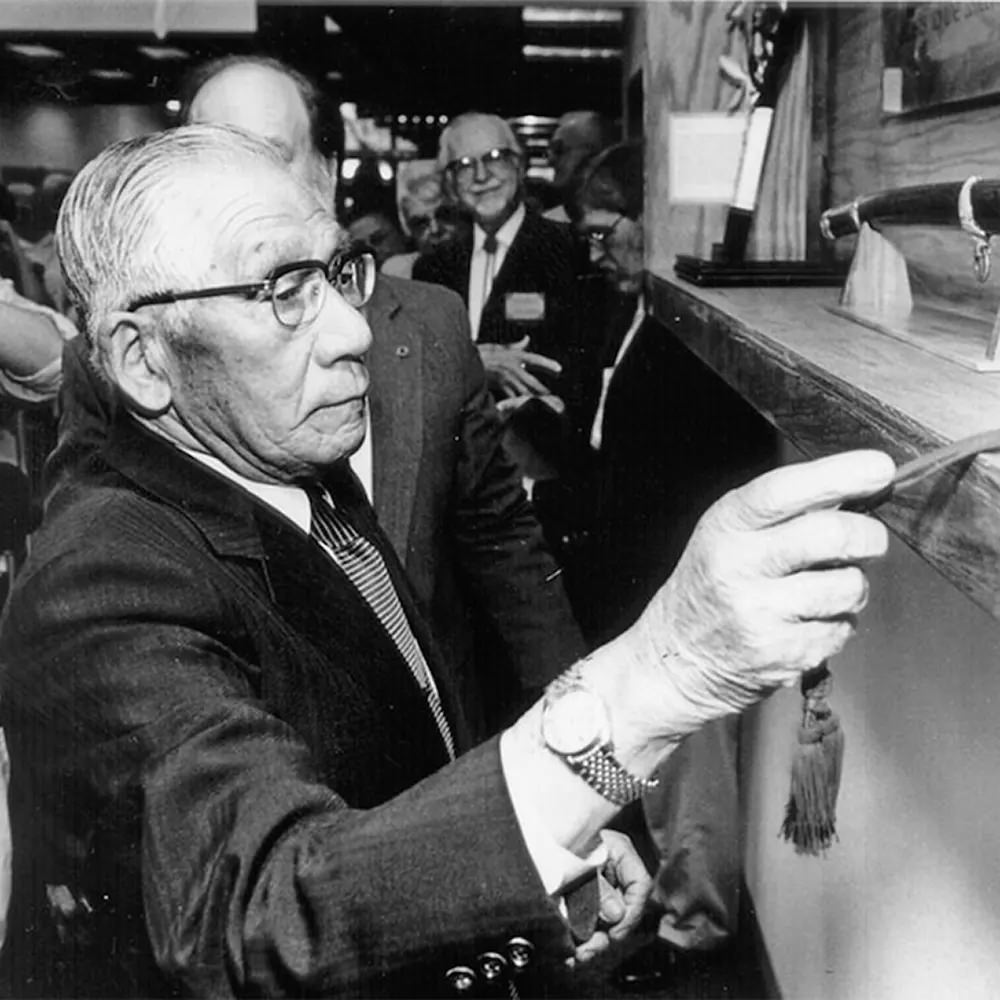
[[136, 361]]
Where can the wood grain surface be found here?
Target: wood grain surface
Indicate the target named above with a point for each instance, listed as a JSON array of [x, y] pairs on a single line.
[[831, 385]]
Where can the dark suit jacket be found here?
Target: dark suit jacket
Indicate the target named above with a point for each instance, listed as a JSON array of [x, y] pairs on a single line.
[[446, 494], [450, 500], [220, 754], [675, 437], [541, 260]]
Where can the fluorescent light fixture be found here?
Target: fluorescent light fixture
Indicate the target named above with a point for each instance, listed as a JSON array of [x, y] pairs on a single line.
[[571, 15], [30, 51], [163, 53], [568, 53], [173, 105], [111, 74], [330, 26], [334, 75], [533, 120], [536, 142]]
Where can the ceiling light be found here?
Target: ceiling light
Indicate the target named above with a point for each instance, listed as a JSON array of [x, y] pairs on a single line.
[[30, 51], [334, 75], [350, 168], [385, 171], [534, 120], [111, 74], [570, 15], [330, 26], [163, 53], [173, 105], [566, 53]]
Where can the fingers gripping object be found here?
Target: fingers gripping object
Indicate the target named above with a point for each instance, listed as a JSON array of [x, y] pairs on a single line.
[[810, 813]]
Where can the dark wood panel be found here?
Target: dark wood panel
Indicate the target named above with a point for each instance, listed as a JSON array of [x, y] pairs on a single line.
[[829, 385]]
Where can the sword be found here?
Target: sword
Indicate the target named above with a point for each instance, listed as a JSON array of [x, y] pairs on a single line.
[[972, 205]]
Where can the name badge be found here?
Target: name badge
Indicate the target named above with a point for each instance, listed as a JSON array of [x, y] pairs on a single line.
[[524, 307]]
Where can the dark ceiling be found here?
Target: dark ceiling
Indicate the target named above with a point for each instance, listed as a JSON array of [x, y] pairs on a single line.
[[390, 60]]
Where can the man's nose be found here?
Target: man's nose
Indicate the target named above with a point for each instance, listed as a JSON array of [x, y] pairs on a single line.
[[343, 331], [596, 252], [481, 173]]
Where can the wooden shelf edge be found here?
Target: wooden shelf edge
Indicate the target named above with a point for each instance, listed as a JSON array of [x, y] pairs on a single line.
[[952, 520]]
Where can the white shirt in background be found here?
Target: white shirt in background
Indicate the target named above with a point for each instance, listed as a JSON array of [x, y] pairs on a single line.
[[484, 269]]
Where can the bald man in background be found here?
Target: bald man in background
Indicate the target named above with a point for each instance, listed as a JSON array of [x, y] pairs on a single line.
[[578, 137]]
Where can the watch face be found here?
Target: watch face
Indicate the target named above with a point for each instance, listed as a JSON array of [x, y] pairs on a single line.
[[574, 722]]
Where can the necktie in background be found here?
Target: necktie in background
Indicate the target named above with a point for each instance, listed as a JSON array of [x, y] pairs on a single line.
[[490, 247], [365, 568]]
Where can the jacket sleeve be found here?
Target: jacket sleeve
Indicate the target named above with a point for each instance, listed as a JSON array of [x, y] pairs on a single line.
[[131, 653], [512, 575]]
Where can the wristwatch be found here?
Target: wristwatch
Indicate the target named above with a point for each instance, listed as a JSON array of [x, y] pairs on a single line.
[[576, 727]]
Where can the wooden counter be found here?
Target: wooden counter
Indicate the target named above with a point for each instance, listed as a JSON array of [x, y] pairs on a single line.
[[829, 384]]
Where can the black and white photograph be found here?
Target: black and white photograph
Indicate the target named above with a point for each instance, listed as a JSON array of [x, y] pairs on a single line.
[[499, 500]]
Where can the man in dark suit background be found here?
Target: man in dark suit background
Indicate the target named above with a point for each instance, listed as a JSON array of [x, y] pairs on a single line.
[[666, 438], [514, 270], [224, 711], [447, 495]]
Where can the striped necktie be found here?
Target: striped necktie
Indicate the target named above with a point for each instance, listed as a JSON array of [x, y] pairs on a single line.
[[365, 568]]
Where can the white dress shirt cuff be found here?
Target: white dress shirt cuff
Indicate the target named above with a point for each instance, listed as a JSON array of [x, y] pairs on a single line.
[[557, 867]]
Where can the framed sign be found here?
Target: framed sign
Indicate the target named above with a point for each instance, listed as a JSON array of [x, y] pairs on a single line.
[[940, 53]]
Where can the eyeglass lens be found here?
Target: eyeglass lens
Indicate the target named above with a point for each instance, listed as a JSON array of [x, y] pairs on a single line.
[[298, 295], [466, 168]]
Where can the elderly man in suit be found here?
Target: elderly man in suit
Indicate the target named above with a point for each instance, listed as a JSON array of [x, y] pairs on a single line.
[[234, 770], [446, 494], [515, 270]]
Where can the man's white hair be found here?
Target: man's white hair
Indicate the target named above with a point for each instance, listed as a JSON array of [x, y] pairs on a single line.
[[446, 139], [117, 235]]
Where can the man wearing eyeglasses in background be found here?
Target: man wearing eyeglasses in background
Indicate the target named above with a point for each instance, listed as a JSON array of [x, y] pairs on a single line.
[[427, 217], [514, 271], [666, 439]]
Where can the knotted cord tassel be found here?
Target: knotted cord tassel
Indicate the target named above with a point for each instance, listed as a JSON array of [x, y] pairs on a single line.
[[811, 813]]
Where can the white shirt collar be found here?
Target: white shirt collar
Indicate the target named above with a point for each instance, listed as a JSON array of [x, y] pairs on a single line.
[[289, 501], [505, 234]]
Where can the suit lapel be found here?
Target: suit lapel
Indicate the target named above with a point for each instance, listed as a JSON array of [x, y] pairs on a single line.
[[396, 398], [317, 604]]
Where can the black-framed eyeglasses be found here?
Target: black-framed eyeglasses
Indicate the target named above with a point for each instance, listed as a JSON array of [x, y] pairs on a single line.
[[466, 168], [297, 290], [598, 238]]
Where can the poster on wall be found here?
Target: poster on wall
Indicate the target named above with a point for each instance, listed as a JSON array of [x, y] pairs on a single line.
[[940, 53]]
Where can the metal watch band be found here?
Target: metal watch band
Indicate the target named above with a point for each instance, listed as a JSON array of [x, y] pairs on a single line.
[[602, 771]]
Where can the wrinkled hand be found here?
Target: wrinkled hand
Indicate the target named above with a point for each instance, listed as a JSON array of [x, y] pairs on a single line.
[[624, 885], [770, 585], [509, 369]]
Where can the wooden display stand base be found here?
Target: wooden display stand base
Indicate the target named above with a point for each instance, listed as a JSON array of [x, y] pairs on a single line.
[[877, 295]]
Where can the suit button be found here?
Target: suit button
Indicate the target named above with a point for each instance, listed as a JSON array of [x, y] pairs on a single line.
[[520, 951], [460, 978], [492, 965]]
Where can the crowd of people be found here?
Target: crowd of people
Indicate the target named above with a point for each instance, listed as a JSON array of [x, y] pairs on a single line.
[[400, 584]]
